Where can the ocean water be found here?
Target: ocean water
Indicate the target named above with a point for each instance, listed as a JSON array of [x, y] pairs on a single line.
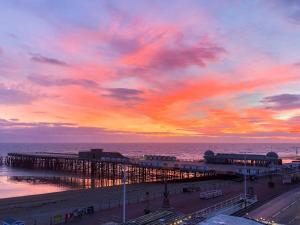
[[181, 150], [19, 182]]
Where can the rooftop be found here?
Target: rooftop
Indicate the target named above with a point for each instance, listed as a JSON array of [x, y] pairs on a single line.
[[243, 156], [229, 220], [156, 218]]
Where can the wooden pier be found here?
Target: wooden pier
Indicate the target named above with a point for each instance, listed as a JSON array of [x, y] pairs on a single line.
[[103, 169]]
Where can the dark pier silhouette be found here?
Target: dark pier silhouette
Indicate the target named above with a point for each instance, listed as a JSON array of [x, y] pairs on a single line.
[[93, 164]]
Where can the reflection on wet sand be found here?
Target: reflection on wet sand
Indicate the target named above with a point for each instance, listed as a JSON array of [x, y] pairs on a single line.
[[67, 181], [12, 188]]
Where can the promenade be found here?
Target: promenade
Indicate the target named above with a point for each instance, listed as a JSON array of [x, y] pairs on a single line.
[[188, 202]]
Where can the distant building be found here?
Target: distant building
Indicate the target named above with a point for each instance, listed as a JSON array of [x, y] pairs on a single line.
[[163, 161], [267, 160], [158, 161], [99, 154], [160, 157]]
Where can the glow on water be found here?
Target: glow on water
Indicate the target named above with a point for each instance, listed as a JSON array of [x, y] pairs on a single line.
[[10, 188]]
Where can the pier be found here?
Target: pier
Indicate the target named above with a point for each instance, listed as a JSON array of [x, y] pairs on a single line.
[[145, 191], [105, 165]]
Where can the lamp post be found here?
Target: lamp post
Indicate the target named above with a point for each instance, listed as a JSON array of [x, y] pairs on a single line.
[[124, 194], [245, 178], [296, 148]]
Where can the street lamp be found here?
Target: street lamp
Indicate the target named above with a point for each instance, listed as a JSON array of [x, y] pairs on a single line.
[[296, 148], [245, 178], [124, 193]]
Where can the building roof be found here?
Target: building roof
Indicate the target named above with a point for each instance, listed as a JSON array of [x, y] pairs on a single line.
[[229, 220], [99, 153], [112, 155], [12, 221], [156, 218], [242, 156]]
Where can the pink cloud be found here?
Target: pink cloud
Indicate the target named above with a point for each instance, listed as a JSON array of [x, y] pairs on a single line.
[[282, 101], [15, 96], [49, 81], [176, 57], [43, 59]]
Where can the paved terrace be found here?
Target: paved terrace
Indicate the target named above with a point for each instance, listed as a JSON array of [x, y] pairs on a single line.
[[189, 202]]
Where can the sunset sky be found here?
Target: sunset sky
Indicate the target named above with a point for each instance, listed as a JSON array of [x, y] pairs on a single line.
[[149, 71]]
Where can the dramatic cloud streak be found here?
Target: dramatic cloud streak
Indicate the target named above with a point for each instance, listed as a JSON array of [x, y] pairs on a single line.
[[42, 59], [290, 7], [185, 56], [13, 96], [178, 56], [125, 94], [283, 101], [50, 81]]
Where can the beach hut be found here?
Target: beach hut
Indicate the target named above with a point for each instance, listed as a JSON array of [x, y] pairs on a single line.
[[11, 221]]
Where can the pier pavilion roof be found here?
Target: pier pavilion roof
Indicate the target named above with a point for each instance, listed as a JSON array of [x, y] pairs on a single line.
[[243, 156]]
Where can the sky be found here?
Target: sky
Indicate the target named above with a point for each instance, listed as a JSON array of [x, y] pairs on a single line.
[[149, 71]]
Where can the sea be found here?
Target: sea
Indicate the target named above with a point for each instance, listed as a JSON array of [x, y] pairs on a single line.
[[19, 182]]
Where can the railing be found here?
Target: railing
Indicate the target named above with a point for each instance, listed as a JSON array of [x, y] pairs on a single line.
[[211, 194], [237, 201]]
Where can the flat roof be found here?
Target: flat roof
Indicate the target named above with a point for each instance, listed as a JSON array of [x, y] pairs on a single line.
[[157, 217], [229, 220], [242, 156]]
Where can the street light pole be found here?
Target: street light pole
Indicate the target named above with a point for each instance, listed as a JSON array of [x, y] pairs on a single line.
[[245, 179], [124, 194], [296, 148]]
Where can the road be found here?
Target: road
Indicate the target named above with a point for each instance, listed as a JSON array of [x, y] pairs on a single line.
[[284, 209]]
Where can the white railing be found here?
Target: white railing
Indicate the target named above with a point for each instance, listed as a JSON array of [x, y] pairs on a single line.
[[237, 202], [211, 194]]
